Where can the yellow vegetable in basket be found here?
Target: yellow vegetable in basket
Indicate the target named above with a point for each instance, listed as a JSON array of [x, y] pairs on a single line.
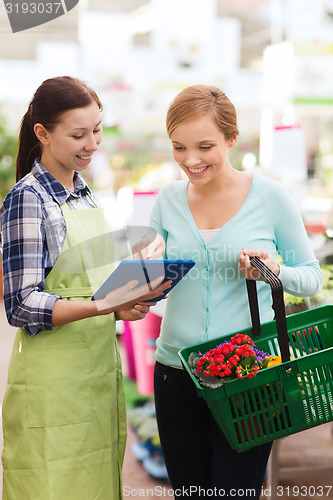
[[275, 360]]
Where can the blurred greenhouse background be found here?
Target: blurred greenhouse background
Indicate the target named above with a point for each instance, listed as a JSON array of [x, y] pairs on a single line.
[[273, 59]]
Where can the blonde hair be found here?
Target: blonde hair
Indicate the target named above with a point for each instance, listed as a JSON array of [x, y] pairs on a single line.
[[197, 100]]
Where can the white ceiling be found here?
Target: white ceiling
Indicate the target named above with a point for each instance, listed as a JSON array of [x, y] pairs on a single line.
[[254, 16]]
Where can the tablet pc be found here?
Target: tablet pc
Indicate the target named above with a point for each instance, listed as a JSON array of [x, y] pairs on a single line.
[[145, 271]]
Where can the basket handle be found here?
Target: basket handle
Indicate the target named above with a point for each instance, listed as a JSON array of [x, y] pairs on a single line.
[[278, 305]]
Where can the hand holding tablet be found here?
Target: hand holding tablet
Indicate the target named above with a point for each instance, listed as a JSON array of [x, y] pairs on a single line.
[[134, 278]]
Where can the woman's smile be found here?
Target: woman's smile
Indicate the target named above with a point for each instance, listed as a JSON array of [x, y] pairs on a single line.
[[197, 172], [85, 158]]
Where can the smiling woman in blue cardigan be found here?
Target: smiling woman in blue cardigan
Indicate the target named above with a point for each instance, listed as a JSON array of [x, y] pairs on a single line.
[[219, 217]]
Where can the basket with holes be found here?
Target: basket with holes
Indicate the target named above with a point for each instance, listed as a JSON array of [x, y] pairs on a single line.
[[283, 399]]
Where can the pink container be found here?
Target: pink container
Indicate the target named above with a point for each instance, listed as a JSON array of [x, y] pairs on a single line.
[[128, 342], [144, 335]]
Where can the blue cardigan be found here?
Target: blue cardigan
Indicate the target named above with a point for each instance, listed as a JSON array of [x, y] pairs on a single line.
[[211, 301]]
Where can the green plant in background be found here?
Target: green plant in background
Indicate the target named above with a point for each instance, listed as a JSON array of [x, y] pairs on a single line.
[[8, 150], [326, 295], [327, 270], [295, 304]]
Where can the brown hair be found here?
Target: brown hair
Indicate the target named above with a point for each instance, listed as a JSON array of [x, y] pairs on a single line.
[[197, 100], [54, 97]]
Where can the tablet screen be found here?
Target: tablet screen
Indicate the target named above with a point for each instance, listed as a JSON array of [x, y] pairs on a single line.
[[145, 271]]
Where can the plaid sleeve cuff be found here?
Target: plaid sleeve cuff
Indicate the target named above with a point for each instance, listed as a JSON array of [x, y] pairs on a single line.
[[40, 315]]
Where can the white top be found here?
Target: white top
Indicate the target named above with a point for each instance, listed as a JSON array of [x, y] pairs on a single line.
[[208, 234]]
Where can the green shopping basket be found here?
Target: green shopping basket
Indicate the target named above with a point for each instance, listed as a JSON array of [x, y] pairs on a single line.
[[284, 399]]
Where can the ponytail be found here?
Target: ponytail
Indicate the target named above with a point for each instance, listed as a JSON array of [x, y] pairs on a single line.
[[54, 97], [29, 146]]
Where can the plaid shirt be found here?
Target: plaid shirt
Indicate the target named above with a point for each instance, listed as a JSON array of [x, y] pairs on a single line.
[[32, 233]]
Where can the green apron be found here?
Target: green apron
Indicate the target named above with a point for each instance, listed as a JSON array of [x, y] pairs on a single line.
[[64, 417]]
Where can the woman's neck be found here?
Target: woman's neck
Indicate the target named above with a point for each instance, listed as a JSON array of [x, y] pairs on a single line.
[[64, 176]]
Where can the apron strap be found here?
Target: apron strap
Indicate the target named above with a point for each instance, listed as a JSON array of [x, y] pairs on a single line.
[[64, 205]]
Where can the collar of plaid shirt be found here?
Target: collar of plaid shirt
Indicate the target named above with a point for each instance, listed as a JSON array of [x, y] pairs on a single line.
[[56, 190]]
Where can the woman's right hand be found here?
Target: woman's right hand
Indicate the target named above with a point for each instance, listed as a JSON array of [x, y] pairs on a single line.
[[249, 271], [131, 294], [151, 246]]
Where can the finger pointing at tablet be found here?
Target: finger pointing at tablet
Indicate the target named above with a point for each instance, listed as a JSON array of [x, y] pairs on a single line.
[[150, 247]]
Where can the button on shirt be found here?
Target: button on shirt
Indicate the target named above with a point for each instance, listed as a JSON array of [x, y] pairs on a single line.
[[32, 233]]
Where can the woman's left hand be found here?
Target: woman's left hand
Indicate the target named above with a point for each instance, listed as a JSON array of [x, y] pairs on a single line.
[[138, 311], [249, 271]]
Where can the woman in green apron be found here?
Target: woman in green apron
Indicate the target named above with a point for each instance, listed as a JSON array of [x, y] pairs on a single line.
[[64, 420]]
